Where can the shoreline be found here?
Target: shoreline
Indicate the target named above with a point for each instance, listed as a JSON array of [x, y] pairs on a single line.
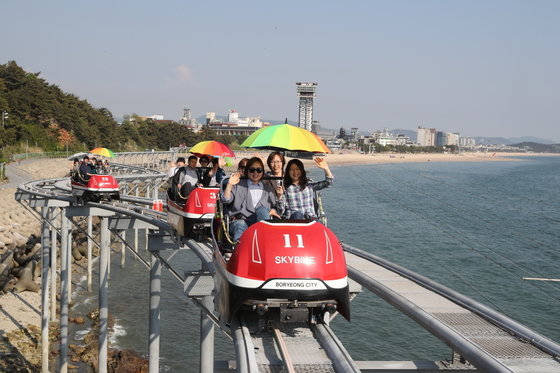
[[347, 158]]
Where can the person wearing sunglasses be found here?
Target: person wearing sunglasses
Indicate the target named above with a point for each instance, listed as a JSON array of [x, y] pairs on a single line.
[[297, 202], [248, 199]]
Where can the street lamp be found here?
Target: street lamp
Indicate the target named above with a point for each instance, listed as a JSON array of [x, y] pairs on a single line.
[[4, 116]]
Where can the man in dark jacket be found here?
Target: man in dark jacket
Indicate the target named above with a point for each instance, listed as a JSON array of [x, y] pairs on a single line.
[[85, 169]]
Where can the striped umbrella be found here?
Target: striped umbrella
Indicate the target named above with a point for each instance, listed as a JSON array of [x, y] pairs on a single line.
[[103, 152], [213, 148], [286, 137]]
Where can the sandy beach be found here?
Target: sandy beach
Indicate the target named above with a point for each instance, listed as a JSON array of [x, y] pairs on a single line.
[[19, 311]]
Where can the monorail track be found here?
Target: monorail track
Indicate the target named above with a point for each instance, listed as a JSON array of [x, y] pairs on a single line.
[[264, 346]]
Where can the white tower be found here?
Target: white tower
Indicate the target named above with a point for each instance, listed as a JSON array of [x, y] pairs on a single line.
[[187, 114], [306, 92]]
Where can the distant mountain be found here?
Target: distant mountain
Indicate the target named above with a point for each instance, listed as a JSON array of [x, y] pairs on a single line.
[[509, 141], [537, 147]]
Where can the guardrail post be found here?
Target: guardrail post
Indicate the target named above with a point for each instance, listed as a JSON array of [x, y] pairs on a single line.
[[70, 258], [137, 193], [64, 279], [45, 291], [154, 329], [89, 250], [123, 248], [103, 295], [206, 337], [54, 235]]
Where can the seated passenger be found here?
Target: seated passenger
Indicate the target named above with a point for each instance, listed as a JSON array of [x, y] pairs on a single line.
[[187, 178], [276, 162], [180, 163], [106, 167], [99, 167], [240, 169], [213, 176], [297, 200], [93, 164], [249, 200], [172, 191], [86, 170], [203, 170], [75, 168]]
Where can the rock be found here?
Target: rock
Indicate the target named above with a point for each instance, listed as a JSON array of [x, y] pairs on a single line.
[[8, 240], [76, 253], [126, 361], [77, 320], [25, 281], [36, 271], [83, 250], [20, 240], [6, 267]]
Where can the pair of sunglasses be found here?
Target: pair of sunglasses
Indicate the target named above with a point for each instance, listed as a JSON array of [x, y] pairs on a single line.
[[257, 170]]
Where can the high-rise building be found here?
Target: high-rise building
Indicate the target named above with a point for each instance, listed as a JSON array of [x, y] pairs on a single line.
[[426, 136], [233, 116], [306, 93]]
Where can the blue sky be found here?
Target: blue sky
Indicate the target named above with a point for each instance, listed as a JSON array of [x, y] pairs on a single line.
[[481, 68]]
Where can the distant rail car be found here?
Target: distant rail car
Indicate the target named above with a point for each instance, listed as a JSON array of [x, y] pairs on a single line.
[[95, 188], [193, 218], [295, 270]]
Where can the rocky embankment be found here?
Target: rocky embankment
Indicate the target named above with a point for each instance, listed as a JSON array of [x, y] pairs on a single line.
[[20, 299]]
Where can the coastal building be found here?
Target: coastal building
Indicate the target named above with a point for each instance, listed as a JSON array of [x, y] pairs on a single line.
[[384, 138], [333, 143], [453, 139], [233, 116], [188, 120], [467, 142], [232, 130], [426, 136], [447, 139], [306, 93], [233, 120]]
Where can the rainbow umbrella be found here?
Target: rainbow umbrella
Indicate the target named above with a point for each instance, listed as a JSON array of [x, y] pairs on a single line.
[[213, 148], [286, 137], [103, 152]]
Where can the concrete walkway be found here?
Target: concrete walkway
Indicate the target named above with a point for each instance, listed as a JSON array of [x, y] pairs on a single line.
[[16, 175]]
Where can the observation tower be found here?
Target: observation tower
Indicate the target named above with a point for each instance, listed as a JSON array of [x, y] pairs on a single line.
[[306, 93]]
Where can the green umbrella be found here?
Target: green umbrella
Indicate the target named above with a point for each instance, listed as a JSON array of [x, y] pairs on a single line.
[[286, 137]]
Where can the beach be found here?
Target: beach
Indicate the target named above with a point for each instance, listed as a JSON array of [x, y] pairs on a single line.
[[20, 230]]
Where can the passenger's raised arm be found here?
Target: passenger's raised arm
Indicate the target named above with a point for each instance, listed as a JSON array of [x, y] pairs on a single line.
[[322, 164]]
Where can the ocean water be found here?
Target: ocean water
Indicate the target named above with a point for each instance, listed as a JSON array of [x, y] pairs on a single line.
[[476, 227]]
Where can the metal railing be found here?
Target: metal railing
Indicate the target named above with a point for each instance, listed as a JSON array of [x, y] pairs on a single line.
[[21, 156]]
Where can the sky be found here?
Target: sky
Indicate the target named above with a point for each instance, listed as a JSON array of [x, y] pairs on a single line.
[[481, 68]]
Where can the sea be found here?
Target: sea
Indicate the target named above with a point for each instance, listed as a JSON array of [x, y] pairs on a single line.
[[480, 228]]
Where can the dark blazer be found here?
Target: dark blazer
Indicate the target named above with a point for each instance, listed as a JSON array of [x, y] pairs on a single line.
[[241, 205]]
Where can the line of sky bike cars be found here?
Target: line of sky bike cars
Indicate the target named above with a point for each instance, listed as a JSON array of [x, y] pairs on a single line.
[[90, 181], [273, 253]]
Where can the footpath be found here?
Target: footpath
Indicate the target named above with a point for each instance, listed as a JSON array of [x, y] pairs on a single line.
[[16, 175]]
